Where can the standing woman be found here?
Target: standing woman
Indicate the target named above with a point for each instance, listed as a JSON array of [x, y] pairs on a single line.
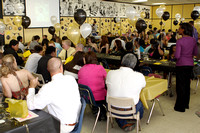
[[186, 48]]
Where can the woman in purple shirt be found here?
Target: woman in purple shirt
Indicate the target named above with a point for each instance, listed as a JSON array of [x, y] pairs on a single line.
[[186, 48]]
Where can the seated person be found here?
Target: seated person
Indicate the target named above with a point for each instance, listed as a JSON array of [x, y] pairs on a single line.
[[171, 55], [75, 65], [32, 62], [155, 52], [119, 50], [90, 45], [15, 82], [138, 45], [35, 42], [93, 75], [125, 82], [42, 63], [12, 49], [67, 50], [60, 101]]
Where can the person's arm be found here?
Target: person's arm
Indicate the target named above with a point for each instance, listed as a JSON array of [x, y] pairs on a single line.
[[6, 89], [160, 50], [195, 50], [40, 100], [178, 50], [107, 48]]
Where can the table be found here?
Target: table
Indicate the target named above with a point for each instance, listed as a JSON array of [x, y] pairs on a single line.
[[45, 123], [154, 87]]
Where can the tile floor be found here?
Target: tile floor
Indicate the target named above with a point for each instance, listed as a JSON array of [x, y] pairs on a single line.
[[172, 122]]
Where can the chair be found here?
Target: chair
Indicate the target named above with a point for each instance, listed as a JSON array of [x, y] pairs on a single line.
[[146, 70], [40, 79], [122, 108], [78, 126], [86, 93], [154, 100]]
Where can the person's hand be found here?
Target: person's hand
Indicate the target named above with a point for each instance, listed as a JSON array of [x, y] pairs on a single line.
[[159, 46], [33, 83]]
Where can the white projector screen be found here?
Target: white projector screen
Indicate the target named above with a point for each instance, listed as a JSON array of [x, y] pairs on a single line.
[[40, 12]]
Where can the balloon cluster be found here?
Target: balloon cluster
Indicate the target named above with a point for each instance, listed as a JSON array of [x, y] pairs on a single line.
[[73, 32]]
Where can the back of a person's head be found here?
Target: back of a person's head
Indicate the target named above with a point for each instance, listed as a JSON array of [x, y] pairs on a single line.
[[91, 58], [191, 22], [118, 44], [45, 42], [153, 41], [129, 60], [188, 29], [13, 42], [7, 65], [53, 39], [19, 38], [38, 48], [50, 50], [64, 38], [129, 46], [53, 65], [154, 29], [78, 58], [80, 45], [36, 37]]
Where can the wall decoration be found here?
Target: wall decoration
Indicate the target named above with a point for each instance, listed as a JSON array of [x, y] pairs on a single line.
[[98, 8], [10, 7]]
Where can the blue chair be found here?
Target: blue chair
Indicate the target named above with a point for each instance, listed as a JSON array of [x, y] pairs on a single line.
[[86, 93], [77, 128]]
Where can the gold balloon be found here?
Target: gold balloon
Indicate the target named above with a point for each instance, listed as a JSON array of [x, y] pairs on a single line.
[[17, 21], [142, 14], [163, 7], [57, 27], [132, 21], [73, 33]]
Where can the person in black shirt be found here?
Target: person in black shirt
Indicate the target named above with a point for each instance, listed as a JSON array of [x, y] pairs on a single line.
[[155, 52], [42, 63], [12, 49]]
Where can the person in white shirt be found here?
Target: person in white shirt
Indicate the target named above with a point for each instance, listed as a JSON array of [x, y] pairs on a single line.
[[125, 82], [21, 46], [32, 62], [113, 43], [60, 96]]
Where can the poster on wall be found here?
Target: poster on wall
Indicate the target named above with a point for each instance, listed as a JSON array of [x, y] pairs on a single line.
[[98, 8], [10, 7]]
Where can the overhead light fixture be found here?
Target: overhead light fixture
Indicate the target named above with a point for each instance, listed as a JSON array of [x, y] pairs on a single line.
[[158, 3], [138, 1]]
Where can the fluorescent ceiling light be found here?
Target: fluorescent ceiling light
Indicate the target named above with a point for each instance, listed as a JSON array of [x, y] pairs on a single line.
[[158, 3], [138, 1]]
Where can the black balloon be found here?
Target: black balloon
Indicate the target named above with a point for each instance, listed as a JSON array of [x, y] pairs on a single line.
[[141, 25], [175, 22], [161, 23], [26, 21], [150, 26], [165, 15], [52, 30], [194, 15], [80, 16]]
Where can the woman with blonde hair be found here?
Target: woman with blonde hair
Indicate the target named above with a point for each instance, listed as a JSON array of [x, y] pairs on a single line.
[[15, 82]]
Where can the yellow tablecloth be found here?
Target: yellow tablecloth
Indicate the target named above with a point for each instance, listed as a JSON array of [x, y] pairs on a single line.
[[154, 87]]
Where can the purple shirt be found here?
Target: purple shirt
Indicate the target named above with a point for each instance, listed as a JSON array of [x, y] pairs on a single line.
[[186, 48], [94, 76]]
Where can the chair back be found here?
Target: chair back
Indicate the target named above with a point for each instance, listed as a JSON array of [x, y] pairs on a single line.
[[155, 75], [121, 107], [77, 128], [145, 70], [40, 79], [87, 94]]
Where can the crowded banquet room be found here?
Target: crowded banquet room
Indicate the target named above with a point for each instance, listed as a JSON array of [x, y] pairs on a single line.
[[99, 66]]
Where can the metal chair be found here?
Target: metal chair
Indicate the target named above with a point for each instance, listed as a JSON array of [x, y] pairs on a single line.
[[122, 108], [40, 79], [78, 126], [86, 93], [155, 99]]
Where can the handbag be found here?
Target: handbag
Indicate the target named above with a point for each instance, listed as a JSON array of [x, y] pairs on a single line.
[[17, 108]]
